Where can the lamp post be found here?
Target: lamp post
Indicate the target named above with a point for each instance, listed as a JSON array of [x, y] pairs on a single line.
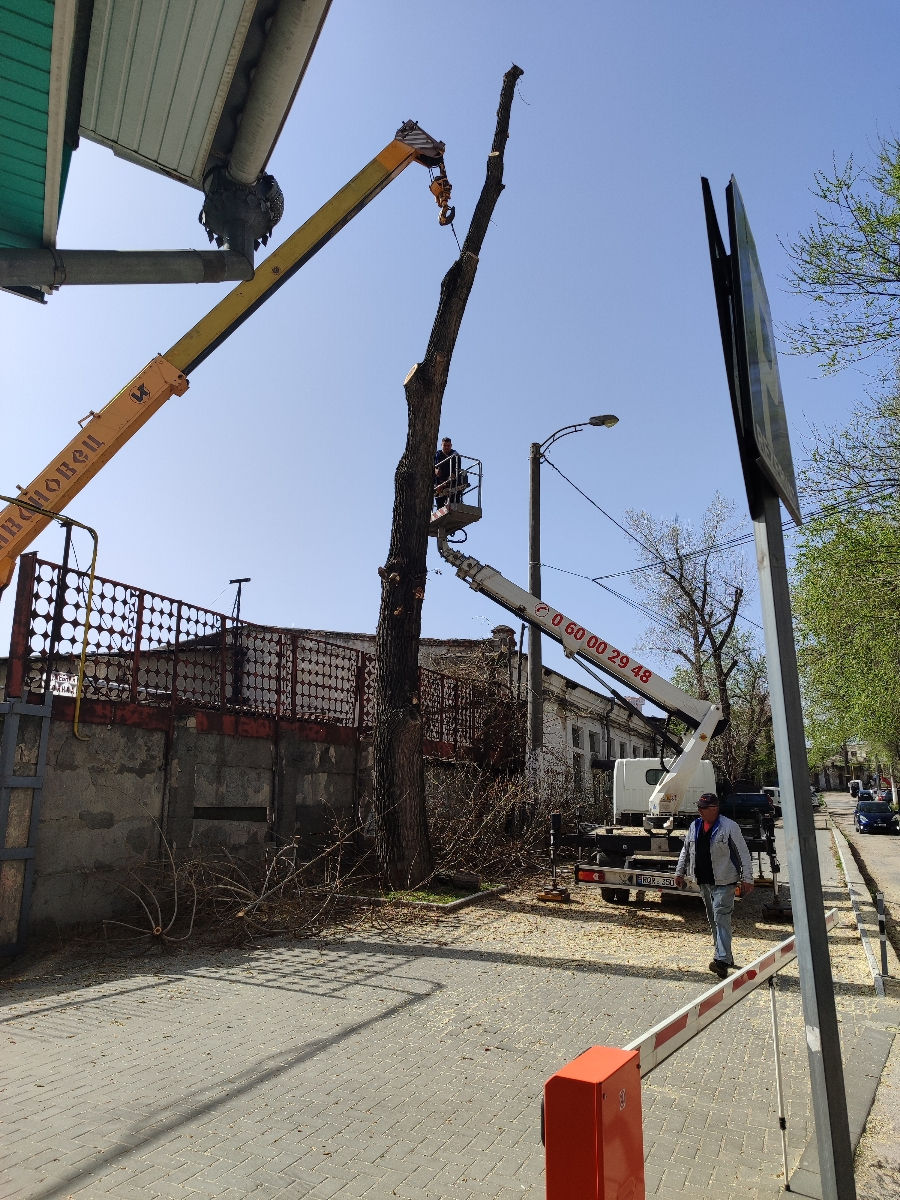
[[535, 684]]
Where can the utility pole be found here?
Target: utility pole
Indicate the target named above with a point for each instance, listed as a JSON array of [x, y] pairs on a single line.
[[535, 662], [237, 646]]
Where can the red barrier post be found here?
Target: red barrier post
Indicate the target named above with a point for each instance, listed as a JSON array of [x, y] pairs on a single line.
[[593, 1129]]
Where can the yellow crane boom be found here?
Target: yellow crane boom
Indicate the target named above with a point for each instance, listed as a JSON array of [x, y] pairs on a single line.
[[102, 433]]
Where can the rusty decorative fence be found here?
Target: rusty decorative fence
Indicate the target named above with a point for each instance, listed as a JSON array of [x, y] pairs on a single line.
[[147, 649]]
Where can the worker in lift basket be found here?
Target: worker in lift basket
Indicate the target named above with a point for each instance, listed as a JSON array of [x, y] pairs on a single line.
[[447, 475], [716, 856]]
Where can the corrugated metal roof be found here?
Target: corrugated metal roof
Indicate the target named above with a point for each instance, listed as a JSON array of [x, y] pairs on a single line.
[[164, 83], [157, 78]]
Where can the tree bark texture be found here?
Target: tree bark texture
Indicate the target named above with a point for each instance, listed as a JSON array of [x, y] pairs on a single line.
[[401, 828]]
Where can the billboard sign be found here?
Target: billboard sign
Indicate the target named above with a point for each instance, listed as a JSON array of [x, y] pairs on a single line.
[[764, 420]]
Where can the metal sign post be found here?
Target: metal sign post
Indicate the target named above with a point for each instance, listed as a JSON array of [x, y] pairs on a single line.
[[745, 324]]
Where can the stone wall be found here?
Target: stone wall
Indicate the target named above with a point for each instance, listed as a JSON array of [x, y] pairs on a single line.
[[108, 795], [101, 810]]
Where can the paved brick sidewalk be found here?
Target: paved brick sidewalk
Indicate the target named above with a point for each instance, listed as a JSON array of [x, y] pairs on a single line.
[[405, 1063]]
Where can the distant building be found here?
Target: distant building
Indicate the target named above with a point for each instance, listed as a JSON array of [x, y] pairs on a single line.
[[584, 729], [852, 762]]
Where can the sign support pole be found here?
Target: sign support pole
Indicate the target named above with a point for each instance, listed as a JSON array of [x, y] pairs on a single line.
[[745, 323], [816, 985]]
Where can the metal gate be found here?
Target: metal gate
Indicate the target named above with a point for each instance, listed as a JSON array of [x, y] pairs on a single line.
[[26, 727]]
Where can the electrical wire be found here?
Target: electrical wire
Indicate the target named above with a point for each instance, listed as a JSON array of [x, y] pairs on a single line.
[[717, 547], [720, 547], [599, 508]]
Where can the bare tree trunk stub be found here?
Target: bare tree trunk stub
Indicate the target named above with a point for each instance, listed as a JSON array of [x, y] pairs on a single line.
[[401, 829]]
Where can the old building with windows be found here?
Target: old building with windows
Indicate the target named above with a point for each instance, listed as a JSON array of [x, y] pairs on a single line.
[[585, 730]]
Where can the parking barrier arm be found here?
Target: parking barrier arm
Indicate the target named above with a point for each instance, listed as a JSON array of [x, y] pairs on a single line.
[[592, 1124]]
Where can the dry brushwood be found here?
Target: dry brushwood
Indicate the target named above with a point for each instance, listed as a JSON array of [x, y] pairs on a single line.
[[236, 900], [491, 825], [156, 929]]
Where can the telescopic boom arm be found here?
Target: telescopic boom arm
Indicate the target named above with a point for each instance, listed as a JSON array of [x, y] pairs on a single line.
[[702, 716]]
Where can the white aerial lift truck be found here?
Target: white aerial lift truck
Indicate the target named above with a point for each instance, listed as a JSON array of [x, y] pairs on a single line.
[[621, 857]]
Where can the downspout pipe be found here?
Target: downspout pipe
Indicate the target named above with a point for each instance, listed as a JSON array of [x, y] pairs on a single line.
[[289, 45], [50, 269]]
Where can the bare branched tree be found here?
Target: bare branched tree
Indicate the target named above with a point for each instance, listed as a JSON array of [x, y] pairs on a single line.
[[401, 828], [695, 585]]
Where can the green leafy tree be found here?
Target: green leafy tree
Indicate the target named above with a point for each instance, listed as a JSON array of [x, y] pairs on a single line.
[[857, 466], [847, 613], [847, 618], [848, 263]]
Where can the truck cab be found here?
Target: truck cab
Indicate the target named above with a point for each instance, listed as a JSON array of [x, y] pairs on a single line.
[[635, 779]]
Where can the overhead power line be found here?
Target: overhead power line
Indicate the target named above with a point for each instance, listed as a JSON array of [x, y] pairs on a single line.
[[718, 547]]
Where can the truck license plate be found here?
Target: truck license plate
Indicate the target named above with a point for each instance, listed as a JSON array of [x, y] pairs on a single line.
[[655, 881]]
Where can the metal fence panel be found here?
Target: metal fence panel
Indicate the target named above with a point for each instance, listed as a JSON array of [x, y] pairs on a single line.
[[148, 649]]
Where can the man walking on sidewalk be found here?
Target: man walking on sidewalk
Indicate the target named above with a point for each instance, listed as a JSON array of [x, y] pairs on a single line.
[[716, 856]]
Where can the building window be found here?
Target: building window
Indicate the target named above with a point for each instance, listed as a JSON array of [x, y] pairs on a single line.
[[596, 743], [578, 771], [635, 752], [576, 736], [623, 750]]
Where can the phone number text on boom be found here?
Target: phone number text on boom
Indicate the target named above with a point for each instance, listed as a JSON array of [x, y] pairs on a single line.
[[591, 642]]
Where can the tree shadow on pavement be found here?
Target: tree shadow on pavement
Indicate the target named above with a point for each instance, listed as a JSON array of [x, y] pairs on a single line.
[[156, 1125]]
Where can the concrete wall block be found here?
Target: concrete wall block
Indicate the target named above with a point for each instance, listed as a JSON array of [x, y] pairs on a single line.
[[119, 769], [248, 839], [76, 897], [316, 756], [93, 840], [228, 785], [189, 746], [102, 795], [336, 792]]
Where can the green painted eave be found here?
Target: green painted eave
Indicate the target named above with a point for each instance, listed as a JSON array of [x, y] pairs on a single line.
[[28, 177]]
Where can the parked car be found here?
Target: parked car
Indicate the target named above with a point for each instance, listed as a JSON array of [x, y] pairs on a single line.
[[854, 785], [748, 805], [875, 816], [865, 794]]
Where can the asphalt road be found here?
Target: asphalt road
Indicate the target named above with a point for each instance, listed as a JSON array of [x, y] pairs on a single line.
[[879, 852]]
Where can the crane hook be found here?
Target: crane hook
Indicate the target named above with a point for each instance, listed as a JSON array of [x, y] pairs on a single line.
[[440, 187]]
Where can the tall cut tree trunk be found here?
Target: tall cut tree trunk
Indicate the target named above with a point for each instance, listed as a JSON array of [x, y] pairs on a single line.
[[401, 826]]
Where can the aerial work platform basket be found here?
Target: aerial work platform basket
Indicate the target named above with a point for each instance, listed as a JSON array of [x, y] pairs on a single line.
[[457, 499]]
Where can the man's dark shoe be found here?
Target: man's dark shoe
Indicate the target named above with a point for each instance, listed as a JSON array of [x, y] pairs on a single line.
[[719, 968]]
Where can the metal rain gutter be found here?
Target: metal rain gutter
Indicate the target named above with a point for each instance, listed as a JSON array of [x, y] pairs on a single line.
[[60, 66], [289, 46]]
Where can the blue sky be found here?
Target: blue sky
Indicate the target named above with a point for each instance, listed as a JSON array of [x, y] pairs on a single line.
[[593, 295]]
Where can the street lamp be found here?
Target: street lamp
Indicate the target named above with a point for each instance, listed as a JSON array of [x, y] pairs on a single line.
[[535, 683]]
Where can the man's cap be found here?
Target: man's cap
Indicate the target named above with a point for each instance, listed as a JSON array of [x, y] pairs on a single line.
[[707, 800]]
